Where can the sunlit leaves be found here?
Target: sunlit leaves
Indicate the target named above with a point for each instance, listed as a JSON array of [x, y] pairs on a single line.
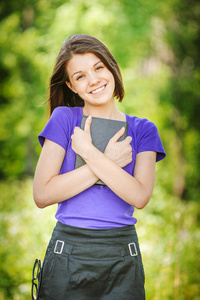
[[156, 44]]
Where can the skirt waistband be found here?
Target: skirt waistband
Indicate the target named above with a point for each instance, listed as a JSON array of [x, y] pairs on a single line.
[[115, 235], [120, 241]]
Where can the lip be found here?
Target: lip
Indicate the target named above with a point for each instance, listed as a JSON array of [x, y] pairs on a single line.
[[101, 89]]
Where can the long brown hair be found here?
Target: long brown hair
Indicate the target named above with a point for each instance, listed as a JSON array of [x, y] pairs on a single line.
[[60, 94]]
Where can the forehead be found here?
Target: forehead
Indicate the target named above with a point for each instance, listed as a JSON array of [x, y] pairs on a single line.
[[80, 62]]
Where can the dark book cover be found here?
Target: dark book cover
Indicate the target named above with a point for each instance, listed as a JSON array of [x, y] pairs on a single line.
[[102, 130]]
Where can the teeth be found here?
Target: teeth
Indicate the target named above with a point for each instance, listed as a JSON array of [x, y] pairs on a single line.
[[98, 90]]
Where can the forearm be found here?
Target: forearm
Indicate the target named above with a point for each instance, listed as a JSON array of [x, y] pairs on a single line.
[[62, 187], [119, 181]]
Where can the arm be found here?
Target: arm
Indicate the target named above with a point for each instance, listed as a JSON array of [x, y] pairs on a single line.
[[49, 187], [137, 189]]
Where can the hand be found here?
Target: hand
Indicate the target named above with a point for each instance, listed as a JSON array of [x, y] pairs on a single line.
[[119, 152], [81, 139]]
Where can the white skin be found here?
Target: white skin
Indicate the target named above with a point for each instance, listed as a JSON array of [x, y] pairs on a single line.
[[95, 84]]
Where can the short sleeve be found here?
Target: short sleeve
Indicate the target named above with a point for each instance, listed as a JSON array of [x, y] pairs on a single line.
[[56, 129], [148, 139]]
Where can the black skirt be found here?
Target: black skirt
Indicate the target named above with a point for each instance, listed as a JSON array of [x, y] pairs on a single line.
[[84, 264]]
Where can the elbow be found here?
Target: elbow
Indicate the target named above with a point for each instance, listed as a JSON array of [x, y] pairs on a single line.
[[142, 201], [40, 204], [141, 205], [39, 199], [40, 195]]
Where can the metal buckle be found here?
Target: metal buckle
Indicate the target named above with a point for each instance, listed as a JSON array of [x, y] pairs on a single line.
[[61, 247], [130, 249]]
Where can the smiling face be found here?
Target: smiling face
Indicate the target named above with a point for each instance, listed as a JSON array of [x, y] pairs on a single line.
[[90, 79]]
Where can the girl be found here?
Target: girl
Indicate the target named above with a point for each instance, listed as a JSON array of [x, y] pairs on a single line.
[[93, 252]]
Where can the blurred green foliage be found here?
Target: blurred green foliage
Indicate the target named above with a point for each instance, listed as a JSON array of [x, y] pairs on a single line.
[[157, 46]]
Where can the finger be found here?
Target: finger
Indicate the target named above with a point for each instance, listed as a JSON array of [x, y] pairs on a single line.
[[87, 124], [76, 128], [125, 143], [117, 135], [127, 140]]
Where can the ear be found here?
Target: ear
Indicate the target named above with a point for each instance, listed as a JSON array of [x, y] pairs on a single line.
[[70, 86]]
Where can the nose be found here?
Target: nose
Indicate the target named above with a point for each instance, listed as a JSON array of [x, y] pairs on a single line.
[[93, 78]]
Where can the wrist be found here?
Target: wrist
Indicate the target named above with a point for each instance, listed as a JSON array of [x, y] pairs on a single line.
[[89, 153]]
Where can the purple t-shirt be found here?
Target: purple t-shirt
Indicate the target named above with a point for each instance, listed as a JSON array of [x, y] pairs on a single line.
[[97, 207]]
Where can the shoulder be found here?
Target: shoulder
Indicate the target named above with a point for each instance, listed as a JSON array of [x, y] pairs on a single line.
[[69, 115], [140, 124], [60, 125], [66, 112], [146, 136]]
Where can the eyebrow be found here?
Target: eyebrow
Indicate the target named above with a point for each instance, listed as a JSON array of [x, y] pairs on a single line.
[[82, 71]]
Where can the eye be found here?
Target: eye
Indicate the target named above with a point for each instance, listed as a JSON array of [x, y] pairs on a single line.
[[79, 77], [99, 67]]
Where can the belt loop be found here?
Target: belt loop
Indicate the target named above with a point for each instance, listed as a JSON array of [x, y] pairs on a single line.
[[62, 247], [134, 252], [59, 247]]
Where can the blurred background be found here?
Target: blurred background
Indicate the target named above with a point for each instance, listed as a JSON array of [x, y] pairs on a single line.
[[157, 46]]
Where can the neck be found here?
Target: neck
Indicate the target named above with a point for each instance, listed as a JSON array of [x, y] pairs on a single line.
[[108, 112]]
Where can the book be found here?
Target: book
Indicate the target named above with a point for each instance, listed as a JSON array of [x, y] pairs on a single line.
[[102, 130]]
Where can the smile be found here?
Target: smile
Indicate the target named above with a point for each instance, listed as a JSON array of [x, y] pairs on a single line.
[[98, 90]]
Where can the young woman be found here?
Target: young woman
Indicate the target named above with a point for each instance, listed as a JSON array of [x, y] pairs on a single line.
[[94, 251]]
